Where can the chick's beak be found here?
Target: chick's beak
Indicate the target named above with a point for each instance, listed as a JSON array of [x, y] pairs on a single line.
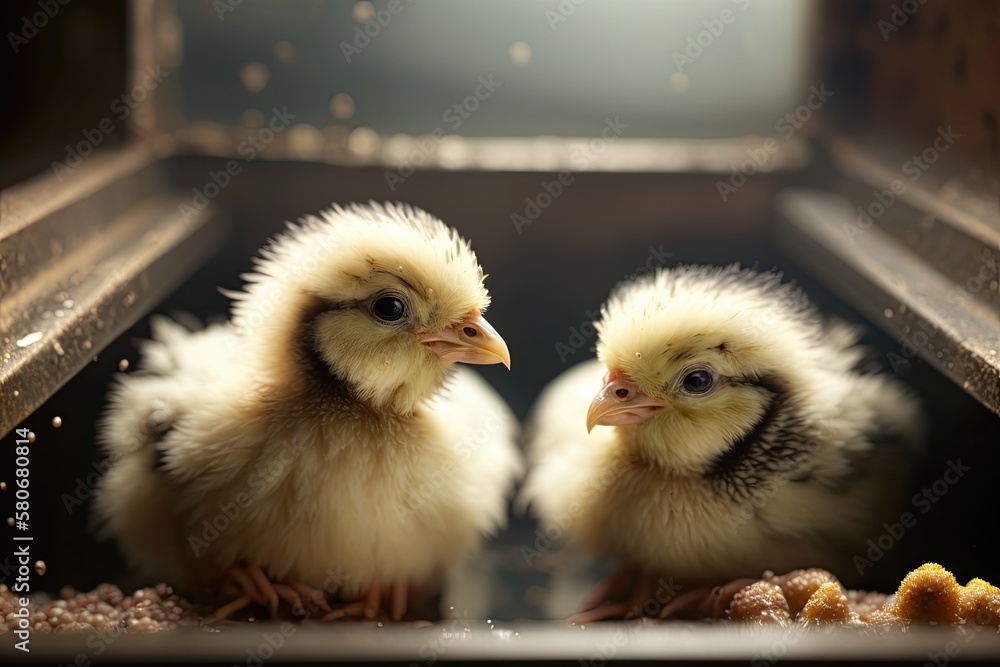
[[621, 402], [471, 341]]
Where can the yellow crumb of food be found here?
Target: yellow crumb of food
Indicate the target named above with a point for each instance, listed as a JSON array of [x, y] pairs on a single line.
[[928, 594], [828, 605], [760, 602], [979, 603], [800, 585]]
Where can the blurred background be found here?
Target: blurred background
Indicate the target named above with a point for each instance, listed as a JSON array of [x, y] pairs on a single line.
[[149, 149]]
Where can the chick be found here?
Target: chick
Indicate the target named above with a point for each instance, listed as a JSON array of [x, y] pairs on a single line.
[[724, 429], [323, 435]]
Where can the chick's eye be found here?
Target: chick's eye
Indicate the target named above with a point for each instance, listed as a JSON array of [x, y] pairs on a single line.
[[389, 308], [697, 382]]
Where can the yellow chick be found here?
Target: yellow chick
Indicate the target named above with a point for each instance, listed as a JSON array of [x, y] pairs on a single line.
[[725, 429], [323, 434]]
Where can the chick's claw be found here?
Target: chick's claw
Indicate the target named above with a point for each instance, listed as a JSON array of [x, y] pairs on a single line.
[[258, 588], [607, 611], [653, 597], [227, 610], [705, 602], [648, 595], [254, 585], [398, 594], [368, 607], [611, 586], [312, 595]]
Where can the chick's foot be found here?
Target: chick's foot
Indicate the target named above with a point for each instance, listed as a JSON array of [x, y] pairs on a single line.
[[258, 588], [652, 597], [395, 595], [705, 602], [646, 596]]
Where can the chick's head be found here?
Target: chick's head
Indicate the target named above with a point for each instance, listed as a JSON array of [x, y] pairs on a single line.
[[695, 357], [383, 298]]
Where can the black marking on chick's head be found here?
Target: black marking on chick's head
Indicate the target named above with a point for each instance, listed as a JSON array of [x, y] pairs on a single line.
[[307, 355], [773, 451]]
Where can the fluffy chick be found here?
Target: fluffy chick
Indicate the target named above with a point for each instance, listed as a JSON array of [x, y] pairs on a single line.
[[724, 429], [323, 435]]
